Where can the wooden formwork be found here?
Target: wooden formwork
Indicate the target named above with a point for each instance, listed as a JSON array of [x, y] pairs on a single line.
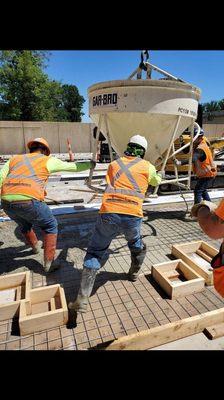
[[170, 332], [37, 309], [177, 279], [46, 309], [14, 289], [198, 256]]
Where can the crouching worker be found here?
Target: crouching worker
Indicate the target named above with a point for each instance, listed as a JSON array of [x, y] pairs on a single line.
[[22, 182], [127, 180], [211, 220]]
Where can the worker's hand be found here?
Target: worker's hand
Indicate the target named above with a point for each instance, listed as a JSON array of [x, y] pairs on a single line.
[[176, 162], [211, 206], [93, 164]]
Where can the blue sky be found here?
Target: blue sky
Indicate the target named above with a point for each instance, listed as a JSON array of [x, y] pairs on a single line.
[[204, 69]]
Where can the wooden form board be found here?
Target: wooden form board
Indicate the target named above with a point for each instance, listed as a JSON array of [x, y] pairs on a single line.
[[198, 256], [159, 335], [169, 274], [14, 288], [47, 308], [215, 331]]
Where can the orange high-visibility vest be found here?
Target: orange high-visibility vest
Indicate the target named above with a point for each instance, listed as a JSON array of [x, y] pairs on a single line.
[[28, 175], [127, 181], [207, 168]]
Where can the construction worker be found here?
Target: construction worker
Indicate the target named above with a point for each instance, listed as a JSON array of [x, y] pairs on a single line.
[[22, 183], [127, 180], [211, 220], [203, 167]]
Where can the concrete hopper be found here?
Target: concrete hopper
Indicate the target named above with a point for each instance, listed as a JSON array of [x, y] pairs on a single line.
[[159, 109]]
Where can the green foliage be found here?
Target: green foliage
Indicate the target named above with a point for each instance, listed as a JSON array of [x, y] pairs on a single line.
[[71, 104], [221, 104], [27, 93], [212, 106]]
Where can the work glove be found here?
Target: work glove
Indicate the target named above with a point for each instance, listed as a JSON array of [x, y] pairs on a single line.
[[93, 164], [176, 162], [211, 206]]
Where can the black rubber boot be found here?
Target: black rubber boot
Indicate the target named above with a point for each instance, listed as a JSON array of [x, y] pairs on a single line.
[[137, 258], [86, 286]]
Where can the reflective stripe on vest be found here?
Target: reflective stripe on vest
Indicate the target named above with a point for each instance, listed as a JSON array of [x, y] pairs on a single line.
[[28, 175], [25, 161], [124, 169]]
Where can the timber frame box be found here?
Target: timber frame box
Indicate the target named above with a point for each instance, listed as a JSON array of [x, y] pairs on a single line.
[[198, 256], [14, 289], [177, 279], [47, 308]]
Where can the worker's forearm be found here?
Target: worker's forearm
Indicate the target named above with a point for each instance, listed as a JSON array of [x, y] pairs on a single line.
[[210, 223], [154, 178], [56, 165]]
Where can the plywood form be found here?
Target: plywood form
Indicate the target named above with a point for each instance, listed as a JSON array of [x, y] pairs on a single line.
[[198, 256], [46, 309], [177, 279], [159, 335], [14, 288]]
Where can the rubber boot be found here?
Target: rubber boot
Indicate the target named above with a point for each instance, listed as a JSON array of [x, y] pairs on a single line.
[[32, 241], [137, 258], [86, 286], [50, 242]]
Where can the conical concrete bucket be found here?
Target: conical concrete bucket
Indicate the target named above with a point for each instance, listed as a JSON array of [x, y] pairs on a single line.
[[160, 110]]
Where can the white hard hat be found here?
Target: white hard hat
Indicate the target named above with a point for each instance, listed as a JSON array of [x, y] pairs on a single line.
[[141, 140]]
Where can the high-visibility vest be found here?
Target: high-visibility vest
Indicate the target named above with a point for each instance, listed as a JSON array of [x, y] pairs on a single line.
[[28, 175], [127, 181], [207, 168], [219, 211]]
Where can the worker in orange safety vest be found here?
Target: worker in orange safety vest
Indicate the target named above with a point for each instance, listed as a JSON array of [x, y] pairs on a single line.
[[127, 180], [211, 220], [203, 167], [22, 182]]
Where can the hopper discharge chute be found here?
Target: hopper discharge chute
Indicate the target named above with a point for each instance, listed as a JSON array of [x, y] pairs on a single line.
[[159, 109]]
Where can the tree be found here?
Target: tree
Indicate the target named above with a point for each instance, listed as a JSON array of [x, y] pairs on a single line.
[[71, 105], [221, 104], [212, 106], [27, 93], [24, 87]]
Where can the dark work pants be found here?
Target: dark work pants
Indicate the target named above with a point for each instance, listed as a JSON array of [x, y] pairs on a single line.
[[26, 213], [200, 191]]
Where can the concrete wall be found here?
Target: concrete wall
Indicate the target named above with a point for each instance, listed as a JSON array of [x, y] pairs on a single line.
[[214, 127], [213, 130], [15, 134]]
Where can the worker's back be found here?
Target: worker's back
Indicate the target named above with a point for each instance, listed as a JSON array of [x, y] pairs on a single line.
[[27, 176], [127, 181]]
